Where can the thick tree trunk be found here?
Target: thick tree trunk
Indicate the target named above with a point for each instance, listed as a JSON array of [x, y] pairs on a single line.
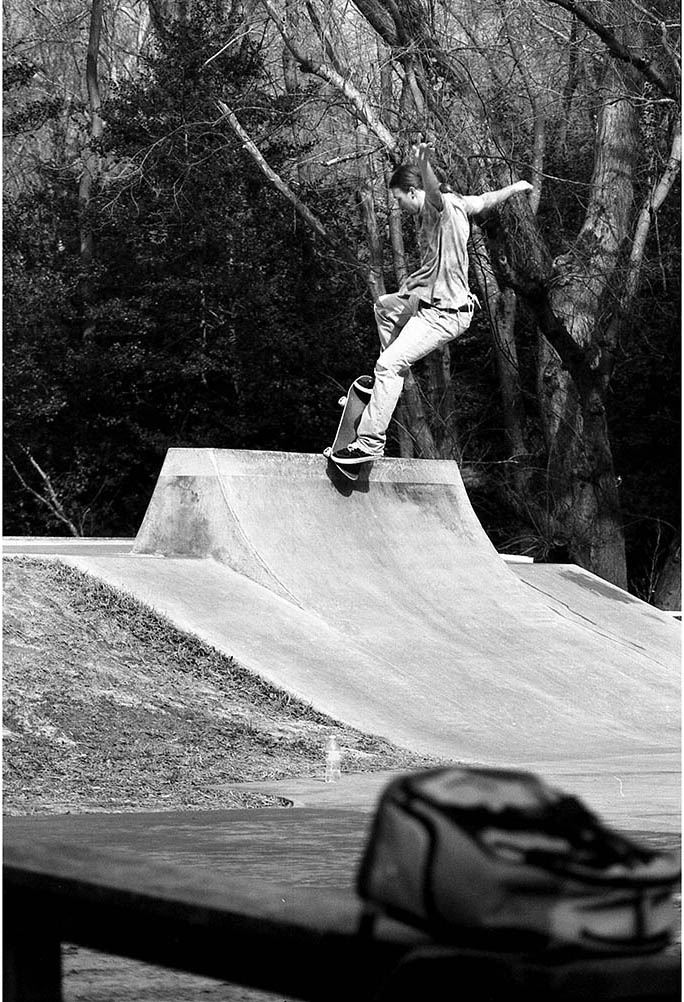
[[583, 512], [582, 479]]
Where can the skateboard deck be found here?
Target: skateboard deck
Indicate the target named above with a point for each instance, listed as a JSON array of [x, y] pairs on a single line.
[[353, 406]]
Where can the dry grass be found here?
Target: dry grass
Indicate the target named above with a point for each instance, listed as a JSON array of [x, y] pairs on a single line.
[[108, 707]]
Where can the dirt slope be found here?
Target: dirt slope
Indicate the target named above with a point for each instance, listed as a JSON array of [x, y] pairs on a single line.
[[107, 707]]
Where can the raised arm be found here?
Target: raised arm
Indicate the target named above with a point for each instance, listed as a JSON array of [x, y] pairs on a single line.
[[475, 204], [430, 182]]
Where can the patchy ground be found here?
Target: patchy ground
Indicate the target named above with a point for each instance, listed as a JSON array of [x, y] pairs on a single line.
[[108, 707]]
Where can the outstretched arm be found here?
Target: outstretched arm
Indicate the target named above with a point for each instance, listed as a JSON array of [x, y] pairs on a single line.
[[430, 182], [475, 204]]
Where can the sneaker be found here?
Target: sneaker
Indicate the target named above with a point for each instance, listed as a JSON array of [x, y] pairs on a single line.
[[351, 455]]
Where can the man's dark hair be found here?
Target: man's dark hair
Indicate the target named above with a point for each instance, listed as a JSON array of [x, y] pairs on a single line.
[[405, 177]]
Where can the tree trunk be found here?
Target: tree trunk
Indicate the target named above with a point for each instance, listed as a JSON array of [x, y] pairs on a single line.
[[442, 403], [376, 278], [291, 82], [500, 305], [536, 104], [581, 478], [649, 209], [583, 511], [91, 163], [417, 426], [668, 593], [571, 83]]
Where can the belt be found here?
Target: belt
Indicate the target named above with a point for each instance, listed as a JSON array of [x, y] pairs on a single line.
[[446, 309]]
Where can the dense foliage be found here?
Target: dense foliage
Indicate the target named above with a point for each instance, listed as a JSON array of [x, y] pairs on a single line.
[[215, 320]]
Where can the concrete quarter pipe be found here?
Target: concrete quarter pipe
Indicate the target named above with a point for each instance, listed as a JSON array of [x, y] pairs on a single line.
[[384, 604]]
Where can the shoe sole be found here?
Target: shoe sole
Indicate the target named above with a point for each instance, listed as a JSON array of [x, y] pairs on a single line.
[[352, 462]]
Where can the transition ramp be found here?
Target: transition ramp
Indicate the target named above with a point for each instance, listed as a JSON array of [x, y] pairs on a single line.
[[383, 603]]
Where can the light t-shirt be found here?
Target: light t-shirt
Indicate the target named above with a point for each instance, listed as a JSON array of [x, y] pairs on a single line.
[[442, 278]]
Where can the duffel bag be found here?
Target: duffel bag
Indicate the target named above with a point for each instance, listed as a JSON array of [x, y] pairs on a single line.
[[499, 858]]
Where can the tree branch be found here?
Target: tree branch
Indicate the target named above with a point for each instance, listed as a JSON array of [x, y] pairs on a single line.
[[324, 37], [341, 83], [538, 111], [91, 164], [645, 66], [650, 207], [311, 220], [50, 500]]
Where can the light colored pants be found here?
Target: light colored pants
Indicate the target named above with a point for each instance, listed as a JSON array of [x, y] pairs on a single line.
[[408, 332]]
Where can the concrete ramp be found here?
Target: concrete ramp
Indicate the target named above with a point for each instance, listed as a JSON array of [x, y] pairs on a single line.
[[583, 598], [383, 603]]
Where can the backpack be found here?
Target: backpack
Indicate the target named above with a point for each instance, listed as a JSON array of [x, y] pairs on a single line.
[[496, 858]]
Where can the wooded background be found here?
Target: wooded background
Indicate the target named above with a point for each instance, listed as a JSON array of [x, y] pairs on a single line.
[[197, 222]]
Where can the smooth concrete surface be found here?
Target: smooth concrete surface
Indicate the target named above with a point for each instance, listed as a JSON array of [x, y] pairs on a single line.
[[320, 841], [45, 546], [640, 797], [318, 847], [384, 604], [588, 600]]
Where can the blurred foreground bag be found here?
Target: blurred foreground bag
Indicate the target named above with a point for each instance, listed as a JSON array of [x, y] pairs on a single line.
[[499, 859]]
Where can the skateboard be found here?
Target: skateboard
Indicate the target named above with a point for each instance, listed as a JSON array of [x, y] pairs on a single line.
[[353, 406]]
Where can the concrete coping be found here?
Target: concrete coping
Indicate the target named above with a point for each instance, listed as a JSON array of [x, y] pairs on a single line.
[[298, 466]]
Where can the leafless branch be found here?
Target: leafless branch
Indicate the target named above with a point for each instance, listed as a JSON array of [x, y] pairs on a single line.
[[311, 220], [50, 498], [649, 209], [332, 76], [646, 67]]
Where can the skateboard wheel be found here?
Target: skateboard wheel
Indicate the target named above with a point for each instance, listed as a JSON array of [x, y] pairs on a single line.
[[342, 401], [327, 452]]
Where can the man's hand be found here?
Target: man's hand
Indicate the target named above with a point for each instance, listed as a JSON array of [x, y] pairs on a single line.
[[522, 186], [421, 152]]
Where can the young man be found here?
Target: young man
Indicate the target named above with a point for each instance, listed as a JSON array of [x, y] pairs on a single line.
[[433, 306]]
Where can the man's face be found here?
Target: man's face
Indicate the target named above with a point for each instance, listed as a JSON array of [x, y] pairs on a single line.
[[410, 201]]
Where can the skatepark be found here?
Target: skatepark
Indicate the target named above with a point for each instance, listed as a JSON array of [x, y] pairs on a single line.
[[383, 604]]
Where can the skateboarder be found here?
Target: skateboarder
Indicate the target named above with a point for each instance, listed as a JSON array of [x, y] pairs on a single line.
[[433, 306]]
